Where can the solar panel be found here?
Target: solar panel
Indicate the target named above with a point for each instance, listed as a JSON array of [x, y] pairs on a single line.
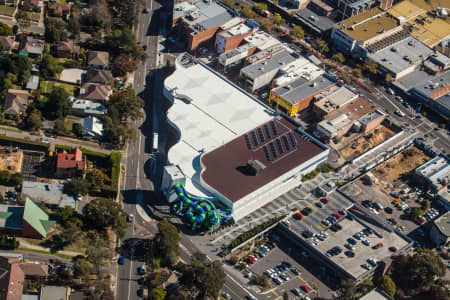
[[255, 135], [269, 131], [263, 134], [275, 126], [250, 142], [287, 142], [281, 145], [268, 153], [275, 149], [294, 139]]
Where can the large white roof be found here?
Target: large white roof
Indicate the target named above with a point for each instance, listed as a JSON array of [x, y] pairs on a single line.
[[209, 111]]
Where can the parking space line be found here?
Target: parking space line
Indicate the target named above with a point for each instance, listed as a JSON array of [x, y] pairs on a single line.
[[319, 227], [301, 278]]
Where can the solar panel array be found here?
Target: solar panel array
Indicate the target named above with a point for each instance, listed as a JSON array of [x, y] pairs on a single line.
[[281, 146], [268, 136]]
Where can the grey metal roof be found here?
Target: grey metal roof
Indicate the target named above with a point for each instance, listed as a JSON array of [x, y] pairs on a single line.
[[316, 22], [402, 55], [412, 80], [359, 3], [370, 117], [443, 224], [301, 88], [269, 64], [433, 85], [33, 82], [48, 193]]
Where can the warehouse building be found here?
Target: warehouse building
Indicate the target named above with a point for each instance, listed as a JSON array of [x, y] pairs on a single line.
[[231, 147], [440, 230], [298, 95]]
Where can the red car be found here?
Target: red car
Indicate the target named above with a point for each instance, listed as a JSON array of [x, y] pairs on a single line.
[[305, 288], [298, 216], [324, 200], [393, 249], [251, 260], [337, 216], [379, 245]]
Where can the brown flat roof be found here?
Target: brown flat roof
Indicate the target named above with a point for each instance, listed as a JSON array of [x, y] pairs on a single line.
[[223, 165], [354, 109]]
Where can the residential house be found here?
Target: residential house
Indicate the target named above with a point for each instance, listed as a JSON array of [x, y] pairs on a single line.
[[50, 194], [92, 126], [67, 50], [32, 5], [83, 107], [7, 43], [98, 92], [33, 47], [11, 278], [34, 271], [56, 9], [98, 59], [69, 164], [29, 220], [98, 76], [33, 82], [16, 102], [51, 292]]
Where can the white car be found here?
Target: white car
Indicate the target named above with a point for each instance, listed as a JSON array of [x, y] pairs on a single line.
[[372, 261], [366, 266], [399, 113], [366, 242]]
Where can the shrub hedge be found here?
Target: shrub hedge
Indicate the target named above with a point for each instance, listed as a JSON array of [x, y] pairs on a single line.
[[254, 231], [7, 140]]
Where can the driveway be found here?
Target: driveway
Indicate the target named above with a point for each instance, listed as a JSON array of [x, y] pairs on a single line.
[[72, 75]]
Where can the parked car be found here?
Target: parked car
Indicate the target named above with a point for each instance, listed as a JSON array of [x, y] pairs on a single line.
[[379, 245], [393, 249], [298, 216], [399, 113], [324, 200], [305, 288], [226, 295], [121, 260], [390, 91], [319, 204]]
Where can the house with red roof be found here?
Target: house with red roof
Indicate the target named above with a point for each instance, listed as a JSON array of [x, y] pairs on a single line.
[[11, 278], [69, 164]]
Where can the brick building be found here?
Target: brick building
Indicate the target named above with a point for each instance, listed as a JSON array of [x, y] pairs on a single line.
[[11, 278], [69, 164]]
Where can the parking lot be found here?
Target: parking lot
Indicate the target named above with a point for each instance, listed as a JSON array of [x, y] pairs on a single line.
[[288, 253], [313, 221], [30, 165]]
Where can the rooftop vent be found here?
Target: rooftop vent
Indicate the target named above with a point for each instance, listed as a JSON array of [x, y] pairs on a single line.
[[252, 168]]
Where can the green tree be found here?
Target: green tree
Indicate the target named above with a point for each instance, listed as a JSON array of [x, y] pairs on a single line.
[[425, 205], [77, 129], [54, 30], [49, 67], [297, 31], [357, 72], [126, 104], [6, 30], [338, 57], [388, 285], [76, 186], [388, 78], [423, 267], [370, 68], [158, 294], [261, 280], [33, 121], [247, 12], [18, 68], [321, 46], [71, 231], [416, 212], [102, 213], [167, 243], [96, 179], [278, 20], [59, 126], [81, 267], [260, 8], [347, 290], [228, 3], [59, 104]]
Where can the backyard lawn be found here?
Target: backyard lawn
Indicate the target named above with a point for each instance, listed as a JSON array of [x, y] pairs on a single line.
[[47, 87], [7, 10]]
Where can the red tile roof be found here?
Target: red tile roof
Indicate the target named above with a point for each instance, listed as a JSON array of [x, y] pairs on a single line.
[[70, 160], [11, 279]]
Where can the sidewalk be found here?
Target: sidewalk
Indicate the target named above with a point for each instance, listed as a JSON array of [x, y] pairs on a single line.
[[25, 244]]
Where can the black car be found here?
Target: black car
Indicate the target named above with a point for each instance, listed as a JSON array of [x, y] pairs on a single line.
[[307, 234], [351, 241], [336, 227], [388, 210], [350, 253], [306, 211]]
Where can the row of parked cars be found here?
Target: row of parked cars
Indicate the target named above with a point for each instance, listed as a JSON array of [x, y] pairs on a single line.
[[279, 273]]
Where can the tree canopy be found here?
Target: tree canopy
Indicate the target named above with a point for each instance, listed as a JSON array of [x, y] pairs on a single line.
[[126, 104], [76, 186], [5, 30], [59, 104], [388, 285], [33, 121], [54, 30], [422, 268], [297, 31], [167, 243], [49, 67], [101, 213]]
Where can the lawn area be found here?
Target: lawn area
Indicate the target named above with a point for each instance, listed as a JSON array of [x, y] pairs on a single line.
[[7, 10], [61, 1], [47, 87], [10, 129], [68, 125]]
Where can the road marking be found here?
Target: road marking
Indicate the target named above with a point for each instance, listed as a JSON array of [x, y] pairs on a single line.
[[301, 278], [131, 259], [275, 293], [319, 227]]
